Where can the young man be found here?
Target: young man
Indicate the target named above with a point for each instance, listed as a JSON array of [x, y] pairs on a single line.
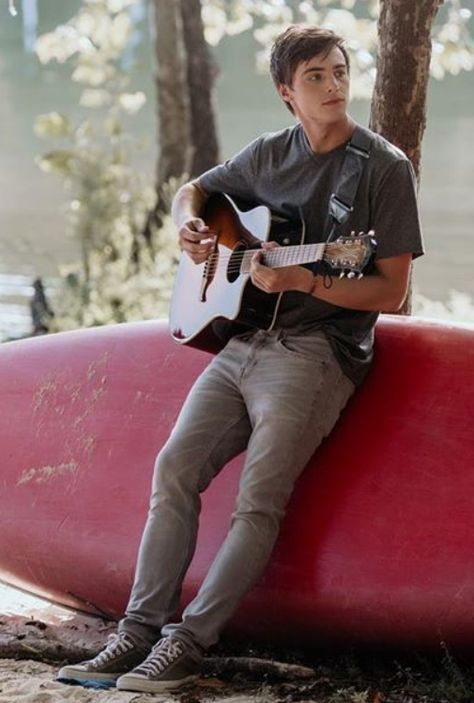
[[277, 393]]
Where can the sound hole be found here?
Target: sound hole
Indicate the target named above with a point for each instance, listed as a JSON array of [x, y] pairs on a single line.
[[235, 262]]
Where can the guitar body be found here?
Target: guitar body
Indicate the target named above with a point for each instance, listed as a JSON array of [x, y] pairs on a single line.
[[200, 299], [221, 289]]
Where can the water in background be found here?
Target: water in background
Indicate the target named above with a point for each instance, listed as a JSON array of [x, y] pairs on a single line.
[[33, 238]]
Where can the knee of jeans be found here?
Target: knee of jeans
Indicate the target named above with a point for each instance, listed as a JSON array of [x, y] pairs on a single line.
[[258, 526], [170, 477], [260, 509]]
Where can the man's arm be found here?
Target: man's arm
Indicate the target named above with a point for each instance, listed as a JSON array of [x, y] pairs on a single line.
[[195, 237], [385, 289]]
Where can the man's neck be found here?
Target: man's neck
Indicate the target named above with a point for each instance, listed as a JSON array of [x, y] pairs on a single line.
[[325, 138]]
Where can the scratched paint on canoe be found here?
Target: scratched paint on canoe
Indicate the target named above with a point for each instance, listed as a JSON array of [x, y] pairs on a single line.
[[46, 473]]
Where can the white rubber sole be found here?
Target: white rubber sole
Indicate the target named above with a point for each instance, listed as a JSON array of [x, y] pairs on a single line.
[[72, 672], [132, 682]]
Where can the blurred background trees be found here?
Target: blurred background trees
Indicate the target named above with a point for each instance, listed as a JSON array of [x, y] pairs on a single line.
[[128, 250]]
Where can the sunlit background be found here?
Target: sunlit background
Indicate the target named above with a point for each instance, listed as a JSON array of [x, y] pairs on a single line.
[[33, 237]]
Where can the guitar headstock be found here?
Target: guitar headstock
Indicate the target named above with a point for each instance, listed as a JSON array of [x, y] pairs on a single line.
[[351, 254]]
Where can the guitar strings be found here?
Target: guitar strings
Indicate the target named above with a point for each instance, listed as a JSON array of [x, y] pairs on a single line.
[[216, 261], [247, 252], [280, 251], [341, 242], [285, 257], [234, 268], [284, 253]]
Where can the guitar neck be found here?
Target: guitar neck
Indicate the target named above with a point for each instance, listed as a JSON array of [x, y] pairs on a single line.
[[285, 256]]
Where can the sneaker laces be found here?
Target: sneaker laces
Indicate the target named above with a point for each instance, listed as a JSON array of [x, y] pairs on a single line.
[[164, 653], [116, 644]]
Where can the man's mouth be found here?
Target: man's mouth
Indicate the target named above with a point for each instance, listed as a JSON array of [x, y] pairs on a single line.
[[334, 101]]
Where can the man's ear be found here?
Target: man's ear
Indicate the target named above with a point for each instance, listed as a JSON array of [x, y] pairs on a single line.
[[284, 92]]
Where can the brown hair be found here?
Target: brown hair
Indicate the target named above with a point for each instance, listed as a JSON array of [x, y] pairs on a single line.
[[298, 44]]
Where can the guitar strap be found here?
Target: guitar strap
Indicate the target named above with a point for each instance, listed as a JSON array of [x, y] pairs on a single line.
[[341, 202]]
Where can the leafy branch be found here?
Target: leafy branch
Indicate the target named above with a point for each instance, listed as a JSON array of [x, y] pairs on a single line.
[[122, 274]]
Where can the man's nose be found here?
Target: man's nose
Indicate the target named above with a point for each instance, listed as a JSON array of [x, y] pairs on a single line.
[[332, 84]]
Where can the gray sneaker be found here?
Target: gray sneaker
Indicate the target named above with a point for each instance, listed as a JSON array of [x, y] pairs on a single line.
[[169, 665], [120, 655]]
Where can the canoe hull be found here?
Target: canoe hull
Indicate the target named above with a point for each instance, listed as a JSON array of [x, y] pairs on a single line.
[[378, 542]]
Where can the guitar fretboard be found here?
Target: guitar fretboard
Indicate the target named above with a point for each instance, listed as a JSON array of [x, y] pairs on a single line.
[[285, 256]]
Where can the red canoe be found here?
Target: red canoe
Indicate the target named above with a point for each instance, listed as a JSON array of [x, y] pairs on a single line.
[[378, 542]]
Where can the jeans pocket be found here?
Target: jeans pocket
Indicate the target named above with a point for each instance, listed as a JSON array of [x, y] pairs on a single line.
[[312, 347]]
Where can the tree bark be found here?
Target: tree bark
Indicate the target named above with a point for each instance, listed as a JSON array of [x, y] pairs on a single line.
[[187, 136], [398, 109], [173, 96], [201, 73]]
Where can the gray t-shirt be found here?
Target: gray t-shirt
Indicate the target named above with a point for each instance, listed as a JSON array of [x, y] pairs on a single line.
[[281, 171]]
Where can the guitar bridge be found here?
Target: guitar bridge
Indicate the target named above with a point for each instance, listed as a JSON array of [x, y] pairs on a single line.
[[205, 283]]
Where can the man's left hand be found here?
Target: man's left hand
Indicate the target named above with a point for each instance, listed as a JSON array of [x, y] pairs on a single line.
[[278, 280]]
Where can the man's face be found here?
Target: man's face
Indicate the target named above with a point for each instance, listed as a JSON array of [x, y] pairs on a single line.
[[320, 88]]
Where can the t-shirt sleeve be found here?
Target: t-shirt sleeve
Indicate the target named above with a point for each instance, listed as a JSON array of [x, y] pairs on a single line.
[[395, 213], [236, 176]]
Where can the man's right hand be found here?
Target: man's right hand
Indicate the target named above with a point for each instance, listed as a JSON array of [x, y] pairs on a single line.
[[196, 239]]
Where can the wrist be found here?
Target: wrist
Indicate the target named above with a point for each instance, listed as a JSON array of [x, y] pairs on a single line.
[[184, 219], [311, 283]]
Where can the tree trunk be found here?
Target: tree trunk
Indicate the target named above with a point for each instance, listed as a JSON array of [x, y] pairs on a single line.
[[201, 72], [173, 96], [187, 137], [398, 110]]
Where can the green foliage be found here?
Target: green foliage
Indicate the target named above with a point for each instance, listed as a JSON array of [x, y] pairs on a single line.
[[123, 274], [453, 47]]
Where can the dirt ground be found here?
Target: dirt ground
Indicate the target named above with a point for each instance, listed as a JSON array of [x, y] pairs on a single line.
[[32, 649], [36, 638]]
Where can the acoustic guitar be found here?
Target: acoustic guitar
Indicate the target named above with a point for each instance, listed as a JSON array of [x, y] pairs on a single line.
[[220, 288]]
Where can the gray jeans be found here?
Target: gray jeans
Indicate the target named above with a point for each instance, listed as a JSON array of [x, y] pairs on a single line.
[[278, 395]]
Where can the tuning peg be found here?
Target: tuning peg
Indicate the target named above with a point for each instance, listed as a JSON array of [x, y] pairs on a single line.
[[342, 274], [353, 233], [360, 275], [351, 274]]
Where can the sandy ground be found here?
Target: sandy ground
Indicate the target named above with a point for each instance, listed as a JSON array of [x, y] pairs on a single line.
[[29, 624], [33, 682], [36, 638], [33, 632]]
